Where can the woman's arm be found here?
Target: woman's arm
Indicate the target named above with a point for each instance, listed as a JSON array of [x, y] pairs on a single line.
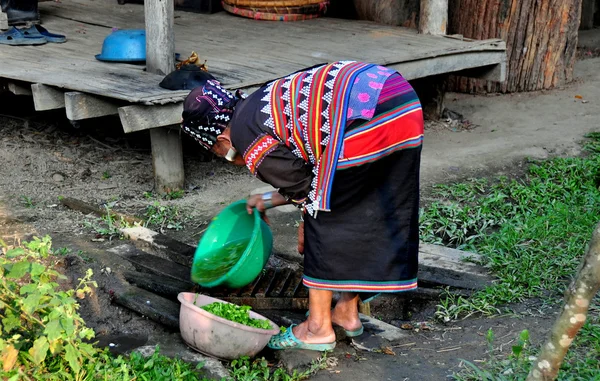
[[259, 202]]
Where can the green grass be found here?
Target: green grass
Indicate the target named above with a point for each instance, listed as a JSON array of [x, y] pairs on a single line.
[[532, 233]]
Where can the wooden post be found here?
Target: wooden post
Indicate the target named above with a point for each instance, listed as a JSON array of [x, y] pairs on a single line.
[[433, 17], [588, 9], [167, 154]]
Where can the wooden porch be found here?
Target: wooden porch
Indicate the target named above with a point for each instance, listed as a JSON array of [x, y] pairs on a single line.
[[241, 53]]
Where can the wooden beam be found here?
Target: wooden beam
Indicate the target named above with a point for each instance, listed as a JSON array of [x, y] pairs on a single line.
[[3, 21], [81, 106], [139, 118], [433, 17], [167, 153], [47, 97], [455, 63], [19, 88]]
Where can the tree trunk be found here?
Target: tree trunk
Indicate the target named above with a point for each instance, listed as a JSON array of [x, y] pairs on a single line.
[[541, 38], [578, 297]]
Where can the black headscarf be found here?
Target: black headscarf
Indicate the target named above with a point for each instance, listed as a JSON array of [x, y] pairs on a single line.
[[207, 111]]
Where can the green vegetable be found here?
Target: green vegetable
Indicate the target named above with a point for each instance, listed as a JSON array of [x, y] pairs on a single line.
[[218, 263], [237, 314]]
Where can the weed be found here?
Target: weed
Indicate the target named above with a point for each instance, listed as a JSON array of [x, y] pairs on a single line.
[[43, 337], [163, 216], [513, 368], [62, 251], [107, 226], [169, 194], [27, 202], [244, 369], [531, 233], [174, 194], [106, 175]]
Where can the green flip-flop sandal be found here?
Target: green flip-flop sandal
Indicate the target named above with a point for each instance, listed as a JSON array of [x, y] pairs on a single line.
[[287, 340]]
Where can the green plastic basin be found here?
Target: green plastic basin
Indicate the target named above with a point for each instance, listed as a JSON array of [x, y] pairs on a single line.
[[232, 230]]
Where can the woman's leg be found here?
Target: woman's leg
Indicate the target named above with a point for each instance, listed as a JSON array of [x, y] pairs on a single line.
[[317, 329], [345, 313]]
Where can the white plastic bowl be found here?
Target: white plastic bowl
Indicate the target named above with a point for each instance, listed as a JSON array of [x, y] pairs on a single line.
[[214, 336]]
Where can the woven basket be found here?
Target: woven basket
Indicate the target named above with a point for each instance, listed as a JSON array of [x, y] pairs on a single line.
[[259, 15], [320, 8], [270, 3]]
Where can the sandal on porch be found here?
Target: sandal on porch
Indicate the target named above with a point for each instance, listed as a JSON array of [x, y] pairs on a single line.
[[39, 31], [15, 37], [287, 340]]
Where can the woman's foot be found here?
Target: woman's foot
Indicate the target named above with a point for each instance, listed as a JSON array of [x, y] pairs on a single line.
[[345, 313], [312, 332]]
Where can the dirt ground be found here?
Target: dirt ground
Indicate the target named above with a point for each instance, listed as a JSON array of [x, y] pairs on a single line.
[[42, 157]]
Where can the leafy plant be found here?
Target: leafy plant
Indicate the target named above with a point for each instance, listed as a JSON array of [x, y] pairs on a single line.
[[27, 202], [163, 216], [174, 194], [237, 314], [513, 368], [40, 324], [245, 369], [43, 337], [106, 175], [107, 226]]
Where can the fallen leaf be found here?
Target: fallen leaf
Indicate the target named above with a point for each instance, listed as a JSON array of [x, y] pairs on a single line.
[[388, 351], [406, 326], [9, 357], [578, 97]]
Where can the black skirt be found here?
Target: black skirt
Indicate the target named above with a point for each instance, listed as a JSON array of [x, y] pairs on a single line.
[[369, 242]]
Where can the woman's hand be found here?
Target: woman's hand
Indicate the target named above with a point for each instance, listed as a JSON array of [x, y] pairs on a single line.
[[301, 238], [256, 201]]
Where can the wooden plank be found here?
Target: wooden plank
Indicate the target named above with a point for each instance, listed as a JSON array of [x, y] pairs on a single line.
[[162, 286], [47, 97], [433, 17], [139, 118], [152, 306], [19, 88], [81, 106], [455, 63], [441, 266], [448, 253], [152, 263], [159, 244]]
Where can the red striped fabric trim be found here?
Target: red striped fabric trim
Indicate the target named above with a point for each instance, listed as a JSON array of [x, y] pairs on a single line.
[[279, 117], [402, 130], [359, 286], [255, 154]]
